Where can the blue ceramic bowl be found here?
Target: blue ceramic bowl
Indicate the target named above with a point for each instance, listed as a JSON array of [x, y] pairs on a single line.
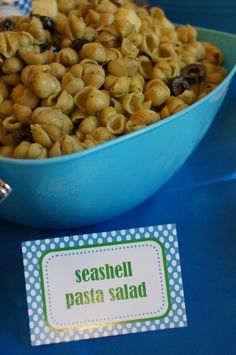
[[102, 182]]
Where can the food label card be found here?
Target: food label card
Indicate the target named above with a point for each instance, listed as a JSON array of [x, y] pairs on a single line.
[[103, 284]]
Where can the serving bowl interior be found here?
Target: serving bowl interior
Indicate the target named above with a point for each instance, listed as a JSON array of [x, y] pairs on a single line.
[[102, 182]]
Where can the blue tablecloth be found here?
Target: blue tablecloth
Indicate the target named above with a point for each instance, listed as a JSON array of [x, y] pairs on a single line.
[[201, 200]]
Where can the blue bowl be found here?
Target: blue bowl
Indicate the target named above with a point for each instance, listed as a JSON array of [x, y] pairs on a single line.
[[102, 182]]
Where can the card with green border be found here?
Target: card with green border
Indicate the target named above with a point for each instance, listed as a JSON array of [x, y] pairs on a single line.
[[103, 284]]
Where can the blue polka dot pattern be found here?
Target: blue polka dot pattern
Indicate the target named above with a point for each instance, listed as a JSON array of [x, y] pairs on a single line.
[[33, 250], [25, 6]]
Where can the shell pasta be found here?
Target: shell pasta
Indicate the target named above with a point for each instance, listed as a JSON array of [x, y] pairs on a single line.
[[98, 70]]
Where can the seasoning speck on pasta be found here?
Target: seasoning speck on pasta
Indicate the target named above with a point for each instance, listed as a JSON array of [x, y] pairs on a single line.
[[96, 71]]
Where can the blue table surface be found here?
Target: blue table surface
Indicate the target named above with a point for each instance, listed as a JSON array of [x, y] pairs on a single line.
[[200, 199]]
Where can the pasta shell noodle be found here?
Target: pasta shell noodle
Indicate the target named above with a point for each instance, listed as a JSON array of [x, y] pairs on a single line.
[[173, 105], [89, 124], [133, 102], [12, 65], [128, 48], [150, 43], [146, 66], [11, 42], [116, 124], [164, 52], [94, 51], [71, 84], [105, 114], [67, 57], [117, 86], [71, 26], [35, 28], [26, 150], [24, 96], [45, 84], [143, 117], [100, 135], [67, 145], [32, 55]]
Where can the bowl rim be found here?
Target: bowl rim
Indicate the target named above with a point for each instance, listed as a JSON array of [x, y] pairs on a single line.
[[132, 135]]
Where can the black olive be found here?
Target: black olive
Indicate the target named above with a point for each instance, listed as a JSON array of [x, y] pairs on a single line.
[[23, 134], [177, 85], [7, 25], [77, 44], [49, 46], [194, 73], [47, 22]]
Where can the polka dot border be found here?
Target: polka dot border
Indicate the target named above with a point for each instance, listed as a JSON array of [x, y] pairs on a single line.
[[33, 250]]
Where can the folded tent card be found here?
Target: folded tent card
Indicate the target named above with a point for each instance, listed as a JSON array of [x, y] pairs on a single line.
[[11, 8], [102, 284]]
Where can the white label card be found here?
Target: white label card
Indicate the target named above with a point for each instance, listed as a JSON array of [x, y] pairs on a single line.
[[108, 283]]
